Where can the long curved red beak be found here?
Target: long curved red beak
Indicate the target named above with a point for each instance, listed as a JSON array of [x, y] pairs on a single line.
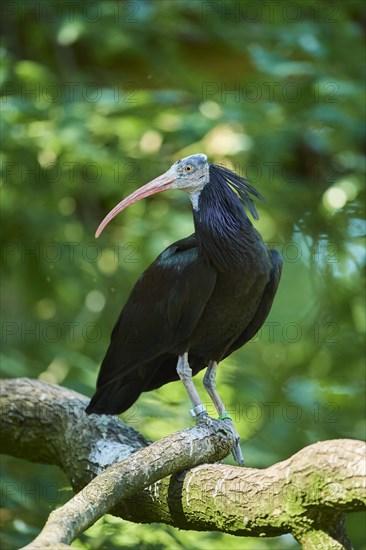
[[155, 186]]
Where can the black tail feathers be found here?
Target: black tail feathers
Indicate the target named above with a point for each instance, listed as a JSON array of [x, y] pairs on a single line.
[[114, 397]]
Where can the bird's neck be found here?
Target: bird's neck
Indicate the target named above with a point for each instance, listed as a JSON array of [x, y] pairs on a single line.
[[225, 235]]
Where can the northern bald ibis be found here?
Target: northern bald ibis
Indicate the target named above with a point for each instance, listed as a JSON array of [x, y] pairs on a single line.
[[201, 299]]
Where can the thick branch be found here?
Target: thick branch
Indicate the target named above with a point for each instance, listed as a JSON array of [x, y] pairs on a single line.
[[204, 442], [46, 423], [328, 476], [306, 494]]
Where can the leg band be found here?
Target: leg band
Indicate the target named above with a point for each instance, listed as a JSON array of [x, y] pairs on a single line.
[[198, 409]]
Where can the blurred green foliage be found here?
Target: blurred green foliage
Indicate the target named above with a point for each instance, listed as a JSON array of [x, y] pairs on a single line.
[[99, 98]]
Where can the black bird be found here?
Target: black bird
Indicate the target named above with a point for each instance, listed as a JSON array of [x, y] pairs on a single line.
[[202, 298]]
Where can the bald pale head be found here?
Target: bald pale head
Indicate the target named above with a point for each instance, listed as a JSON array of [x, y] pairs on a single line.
[[189, 174]]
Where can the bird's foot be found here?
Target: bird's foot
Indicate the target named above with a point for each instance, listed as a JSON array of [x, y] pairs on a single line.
[[236, 450], [204, 418], [200, 414]]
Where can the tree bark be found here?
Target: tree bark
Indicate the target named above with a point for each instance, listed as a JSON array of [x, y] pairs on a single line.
[[306, 495]]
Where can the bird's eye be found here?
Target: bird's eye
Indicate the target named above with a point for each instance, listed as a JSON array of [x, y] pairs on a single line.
[[188, 168]]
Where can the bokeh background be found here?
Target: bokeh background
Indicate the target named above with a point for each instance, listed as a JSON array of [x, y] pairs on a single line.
[[99, 98]]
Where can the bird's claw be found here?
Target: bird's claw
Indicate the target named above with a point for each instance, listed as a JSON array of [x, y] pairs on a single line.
[[204, 418], [236, 450], [237, 454]]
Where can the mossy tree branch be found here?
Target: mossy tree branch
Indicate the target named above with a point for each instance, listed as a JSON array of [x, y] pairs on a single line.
[[305, 495]]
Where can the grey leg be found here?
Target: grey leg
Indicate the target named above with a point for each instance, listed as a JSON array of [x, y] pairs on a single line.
[[185, 374], [210, 385]]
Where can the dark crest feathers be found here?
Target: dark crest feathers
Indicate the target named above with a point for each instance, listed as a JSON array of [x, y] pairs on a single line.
[[239, 186]]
